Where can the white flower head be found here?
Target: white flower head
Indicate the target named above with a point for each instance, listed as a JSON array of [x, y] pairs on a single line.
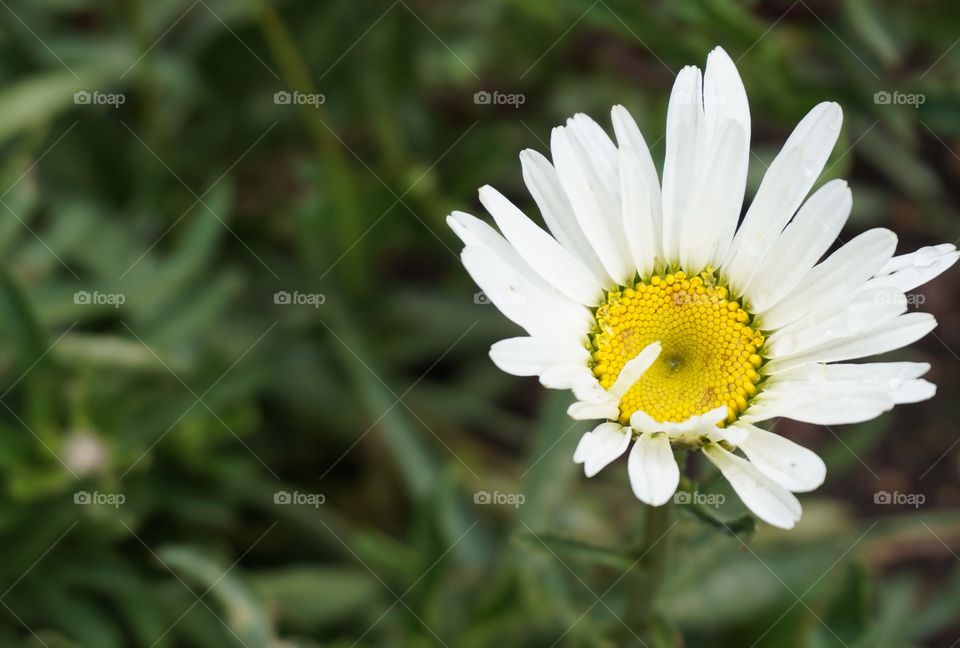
[[678, 328]]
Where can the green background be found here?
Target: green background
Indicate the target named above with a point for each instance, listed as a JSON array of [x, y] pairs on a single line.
[[186, 412]]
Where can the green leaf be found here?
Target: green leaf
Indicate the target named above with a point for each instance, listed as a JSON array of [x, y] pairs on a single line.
[[244, 612], [310, 597]]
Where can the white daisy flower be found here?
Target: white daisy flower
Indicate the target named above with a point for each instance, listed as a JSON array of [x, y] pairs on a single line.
[[677, 327]]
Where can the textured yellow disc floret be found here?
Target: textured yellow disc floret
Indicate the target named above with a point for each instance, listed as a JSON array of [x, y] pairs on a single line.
[[711, 350]]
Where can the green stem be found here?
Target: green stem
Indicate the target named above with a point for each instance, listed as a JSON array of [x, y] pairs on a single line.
[[655, 551], [653, 554]]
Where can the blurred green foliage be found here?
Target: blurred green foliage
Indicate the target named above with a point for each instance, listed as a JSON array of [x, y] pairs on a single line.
[[192, 411]]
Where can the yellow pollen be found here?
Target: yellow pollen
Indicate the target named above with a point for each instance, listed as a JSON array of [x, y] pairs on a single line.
[[711, 349]]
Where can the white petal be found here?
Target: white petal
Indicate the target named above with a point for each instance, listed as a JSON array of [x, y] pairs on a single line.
[[560, 268], [788, 179], [629, 136], [564, 376], [643, 422], [641, 227], [893, 334], [767, 500], [529, 356], [590, 390], [583, 411], [800, 245], [790, 465], [654, 474], [633, 369], [639, 193], [684, 117], [709, 224], [595, 146], [724, 97], [476, 233], [861, 313], [691, 430], [598, 220], [829, 284], [907, 271], [522, 300], [921, 258], [820, 394], [601, 446], [831, 404], [885, 374], [544, 185], [716, 200]]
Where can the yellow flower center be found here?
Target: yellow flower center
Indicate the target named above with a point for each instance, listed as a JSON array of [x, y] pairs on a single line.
[[711, 348]]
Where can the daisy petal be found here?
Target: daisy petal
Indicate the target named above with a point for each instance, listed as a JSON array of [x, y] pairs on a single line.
[[538, 310], [629, 137], [641, 225], [892, 334], [907, 271], [765, 498], [684, 116], [529, 356], [547, 191], [800, 245], [634, 369], [715, 207], [786, 182], [542, 252], [828, 285], [716, 200], [599, 447], [584, 411], [654, 474], [564, 376], [600, 224], [790, 465]]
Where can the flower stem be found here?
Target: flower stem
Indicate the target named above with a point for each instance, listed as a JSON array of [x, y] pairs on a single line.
[[653, 555], [655, 549]]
